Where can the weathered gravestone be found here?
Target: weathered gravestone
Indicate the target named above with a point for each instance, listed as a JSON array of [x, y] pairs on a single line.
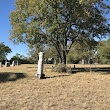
[[50, 60], [13, 63], [7, 64], [17, 63], [40, 73], [0, 64]]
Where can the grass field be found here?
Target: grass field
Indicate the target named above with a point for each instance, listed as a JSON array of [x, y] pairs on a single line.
[[20, 90]]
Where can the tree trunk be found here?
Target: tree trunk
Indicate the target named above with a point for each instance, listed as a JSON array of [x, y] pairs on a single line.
[[64, 51], [64, 58]]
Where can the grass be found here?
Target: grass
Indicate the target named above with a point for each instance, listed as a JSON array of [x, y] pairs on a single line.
[[20, 90]]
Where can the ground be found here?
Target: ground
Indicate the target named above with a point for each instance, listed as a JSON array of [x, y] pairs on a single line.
[[20, 90]]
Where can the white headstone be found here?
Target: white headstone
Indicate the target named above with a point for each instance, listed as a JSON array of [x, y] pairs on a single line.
[[13, 63], [17, 63], [0, 64], [40, 74], [82, 61]]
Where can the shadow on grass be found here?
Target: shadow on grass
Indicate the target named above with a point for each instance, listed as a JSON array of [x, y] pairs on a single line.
[[102, 70], [31, 67], [8, 76], [57, 76]]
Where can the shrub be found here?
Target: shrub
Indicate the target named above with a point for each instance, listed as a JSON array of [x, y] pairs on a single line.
[[61, 69]]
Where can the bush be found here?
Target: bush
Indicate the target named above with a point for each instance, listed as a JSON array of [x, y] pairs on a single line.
[[61, 69]]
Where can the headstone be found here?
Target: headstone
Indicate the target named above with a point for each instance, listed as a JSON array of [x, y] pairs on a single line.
[[55, 62], [7, 64], [17, 63], [82, 61], [40, 73], [0, 64], [13, 63]]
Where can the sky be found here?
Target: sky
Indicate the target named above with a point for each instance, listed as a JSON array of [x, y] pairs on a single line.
[[6, 6]]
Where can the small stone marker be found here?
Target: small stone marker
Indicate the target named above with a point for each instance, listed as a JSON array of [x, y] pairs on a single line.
[[0, 64], [7, 64], [55, 62], [40, 74], [17, 63], [82, 61]]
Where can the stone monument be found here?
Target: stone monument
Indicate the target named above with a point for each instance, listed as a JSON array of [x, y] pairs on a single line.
[[13, 63], [40, 73], [0, 64], [17, 63]]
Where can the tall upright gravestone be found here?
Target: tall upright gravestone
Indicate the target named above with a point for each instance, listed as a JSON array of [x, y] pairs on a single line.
[[40, 73]]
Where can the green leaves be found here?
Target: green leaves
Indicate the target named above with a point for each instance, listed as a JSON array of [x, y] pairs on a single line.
[[60, 15], [4, 50], [52, 22], [104, 51]]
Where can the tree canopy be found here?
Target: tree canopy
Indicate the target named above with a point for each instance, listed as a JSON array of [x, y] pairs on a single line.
[[104, 51], [58, 22], [82, 51], [4, 50], [21, 59]]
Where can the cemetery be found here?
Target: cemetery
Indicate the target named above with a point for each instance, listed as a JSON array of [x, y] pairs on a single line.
[[31, 86], [55, 55], [43, 86]]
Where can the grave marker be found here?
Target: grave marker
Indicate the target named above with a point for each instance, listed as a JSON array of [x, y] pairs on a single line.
[[40, 73], [0, 64], [7, 64], [13, 63]]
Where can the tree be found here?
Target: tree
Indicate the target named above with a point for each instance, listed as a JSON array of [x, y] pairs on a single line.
[[58, 22], [33, 52], [4, 50], [50, 53], [21, 59], [82, 50], [104, 51]]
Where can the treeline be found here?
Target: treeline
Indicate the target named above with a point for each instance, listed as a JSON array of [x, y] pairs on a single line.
[[80, 52], [5, 50], [18, 58], [21, 59]]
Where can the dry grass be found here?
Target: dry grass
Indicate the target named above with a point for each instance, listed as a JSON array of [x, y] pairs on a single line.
[[19, 90]]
